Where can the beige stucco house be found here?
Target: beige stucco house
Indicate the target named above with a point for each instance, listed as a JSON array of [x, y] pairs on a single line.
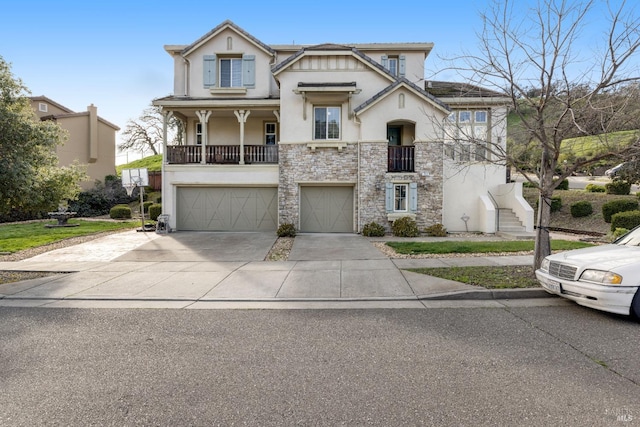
[[92, 139], [329, 138]]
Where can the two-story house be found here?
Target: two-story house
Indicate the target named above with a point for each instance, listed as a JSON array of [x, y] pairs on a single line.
[[92, 139], [328, 138]]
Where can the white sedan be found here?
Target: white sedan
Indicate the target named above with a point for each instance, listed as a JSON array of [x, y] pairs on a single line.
[[603, 277]]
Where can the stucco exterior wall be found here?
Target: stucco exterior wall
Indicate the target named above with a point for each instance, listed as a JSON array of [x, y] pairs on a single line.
[[218, 46]]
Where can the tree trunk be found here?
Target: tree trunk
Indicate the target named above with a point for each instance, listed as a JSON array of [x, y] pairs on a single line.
[[543, 241]]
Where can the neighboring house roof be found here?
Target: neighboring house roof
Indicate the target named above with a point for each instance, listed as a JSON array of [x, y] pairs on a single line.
[[68, 112], [404, 83], [224, 25], [460, 90], [52, 102]]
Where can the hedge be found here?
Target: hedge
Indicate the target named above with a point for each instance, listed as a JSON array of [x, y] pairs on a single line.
[[618, 205], [628, 220]]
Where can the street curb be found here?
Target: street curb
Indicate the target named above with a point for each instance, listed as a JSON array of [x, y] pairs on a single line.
[[489, 294]]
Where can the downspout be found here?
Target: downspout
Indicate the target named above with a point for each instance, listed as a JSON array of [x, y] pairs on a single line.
[[359, 193], [187, 67]]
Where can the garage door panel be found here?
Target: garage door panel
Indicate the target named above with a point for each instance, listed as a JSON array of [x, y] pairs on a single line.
[[227, 209], [326, 209]]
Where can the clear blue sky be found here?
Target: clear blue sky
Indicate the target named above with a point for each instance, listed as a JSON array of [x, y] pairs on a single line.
[[110, 52]]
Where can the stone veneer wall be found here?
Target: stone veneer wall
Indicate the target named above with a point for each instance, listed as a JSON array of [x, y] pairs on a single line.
[[299, 164], [428, 175]]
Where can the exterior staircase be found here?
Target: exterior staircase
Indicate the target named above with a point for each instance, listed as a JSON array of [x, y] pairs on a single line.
[[510, 226]]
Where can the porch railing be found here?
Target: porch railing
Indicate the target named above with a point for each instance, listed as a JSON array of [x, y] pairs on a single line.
[[401, 158], [221, 154]]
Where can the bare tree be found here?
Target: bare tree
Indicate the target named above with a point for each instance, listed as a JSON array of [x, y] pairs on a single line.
[[558, 88], [145, 133]]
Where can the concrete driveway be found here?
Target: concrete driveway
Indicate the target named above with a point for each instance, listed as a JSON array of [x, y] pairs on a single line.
[[197, 246]]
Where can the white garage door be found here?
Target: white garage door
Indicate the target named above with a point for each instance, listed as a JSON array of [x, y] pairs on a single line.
[[326, 209], [227, 209]]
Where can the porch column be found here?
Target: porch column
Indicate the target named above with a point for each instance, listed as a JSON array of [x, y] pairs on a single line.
[[242, 116], [166, 116], [204, 115]]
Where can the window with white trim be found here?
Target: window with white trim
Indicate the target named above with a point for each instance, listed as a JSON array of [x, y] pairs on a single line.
[[326, 123], [400, 192], [199, 133], [42, 107], [465, 135], [230, 72], [270, 133]]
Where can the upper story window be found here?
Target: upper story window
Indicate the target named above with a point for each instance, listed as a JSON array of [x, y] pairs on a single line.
[[466, 134], [229, 71], [395, 64], [326, 123], [42, 107]]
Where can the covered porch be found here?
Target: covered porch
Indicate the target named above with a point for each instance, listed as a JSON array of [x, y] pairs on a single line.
[[222, 131]]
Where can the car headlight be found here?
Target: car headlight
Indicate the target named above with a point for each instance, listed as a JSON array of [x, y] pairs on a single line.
[[599, 276], [544, 265]]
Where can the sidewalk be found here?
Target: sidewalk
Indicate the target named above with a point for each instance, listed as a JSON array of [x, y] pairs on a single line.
[[188, 271]]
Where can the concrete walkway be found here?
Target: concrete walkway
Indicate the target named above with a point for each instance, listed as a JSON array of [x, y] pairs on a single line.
[[227, 270]]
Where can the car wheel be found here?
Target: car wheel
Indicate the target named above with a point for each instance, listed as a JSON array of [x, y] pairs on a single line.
[[635, 305]]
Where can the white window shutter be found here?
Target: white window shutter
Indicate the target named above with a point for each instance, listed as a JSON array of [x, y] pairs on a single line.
[[389, 196], [209, 70], [413, 197], [385, 62], [249, 70]]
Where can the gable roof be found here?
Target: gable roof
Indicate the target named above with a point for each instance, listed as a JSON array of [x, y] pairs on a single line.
[[52, 102], [218, 29], [67, 112], [331, 47], [402, 82]]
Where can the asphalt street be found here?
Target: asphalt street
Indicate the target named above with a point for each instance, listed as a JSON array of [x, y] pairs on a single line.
[[538, 366]]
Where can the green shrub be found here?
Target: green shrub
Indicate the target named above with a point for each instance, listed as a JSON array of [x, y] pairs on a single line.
[[155, 209], [528, 184], [618, 187], [436, 230], [405, 227], [627, 219], [619, 232], [120, 212], [619, 205], [556, 203], [373, 229], [595, 188], [581, 208], [564, 185], [146, 205], [286, 230]]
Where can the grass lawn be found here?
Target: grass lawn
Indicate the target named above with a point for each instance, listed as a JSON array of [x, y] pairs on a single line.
[[450, 247], [17, 237], [504, 277]]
